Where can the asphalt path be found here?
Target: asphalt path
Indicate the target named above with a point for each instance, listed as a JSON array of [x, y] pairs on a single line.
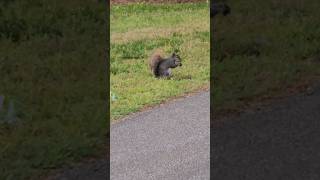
[[170, 142], [277, 141]]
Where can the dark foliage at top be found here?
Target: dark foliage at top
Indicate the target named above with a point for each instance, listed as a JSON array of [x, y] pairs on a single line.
[[216, 8]]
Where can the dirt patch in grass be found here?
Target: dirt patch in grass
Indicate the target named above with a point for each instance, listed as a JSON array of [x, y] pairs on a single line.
[[154, 1], [152, 33]]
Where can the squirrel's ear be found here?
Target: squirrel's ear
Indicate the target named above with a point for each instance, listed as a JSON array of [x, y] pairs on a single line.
[[173, 54]]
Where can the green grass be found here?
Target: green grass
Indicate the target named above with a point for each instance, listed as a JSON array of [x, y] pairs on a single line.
[[52, 67], [139, 29], [262, 48]]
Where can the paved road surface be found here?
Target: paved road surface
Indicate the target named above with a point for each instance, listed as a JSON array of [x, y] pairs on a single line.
[[279, 142], [171, 142]]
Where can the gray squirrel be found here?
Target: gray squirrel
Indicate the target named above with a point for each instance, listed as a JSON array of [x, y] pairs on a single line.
[[160, 67]]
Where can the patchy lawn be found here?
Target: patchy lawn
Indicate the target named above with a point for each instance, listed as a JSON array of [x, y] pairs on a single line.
[[139, 29]]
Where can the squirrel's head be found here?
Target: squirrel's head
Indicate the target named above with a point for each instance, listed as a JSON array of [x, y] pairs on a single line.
[[177, 59]]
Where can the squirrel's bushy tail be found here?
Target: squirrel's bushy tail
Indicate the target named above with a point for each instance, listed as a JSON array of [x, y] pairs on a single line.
[[155, 59]]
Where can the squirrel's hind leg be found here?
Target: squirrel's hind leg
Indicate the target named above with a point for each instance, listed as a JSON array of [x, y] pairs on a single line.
[[168, 72]]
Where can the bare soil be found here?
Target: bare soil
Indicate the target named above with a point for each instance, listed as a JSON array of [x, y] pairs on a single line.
[[154, 1]]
